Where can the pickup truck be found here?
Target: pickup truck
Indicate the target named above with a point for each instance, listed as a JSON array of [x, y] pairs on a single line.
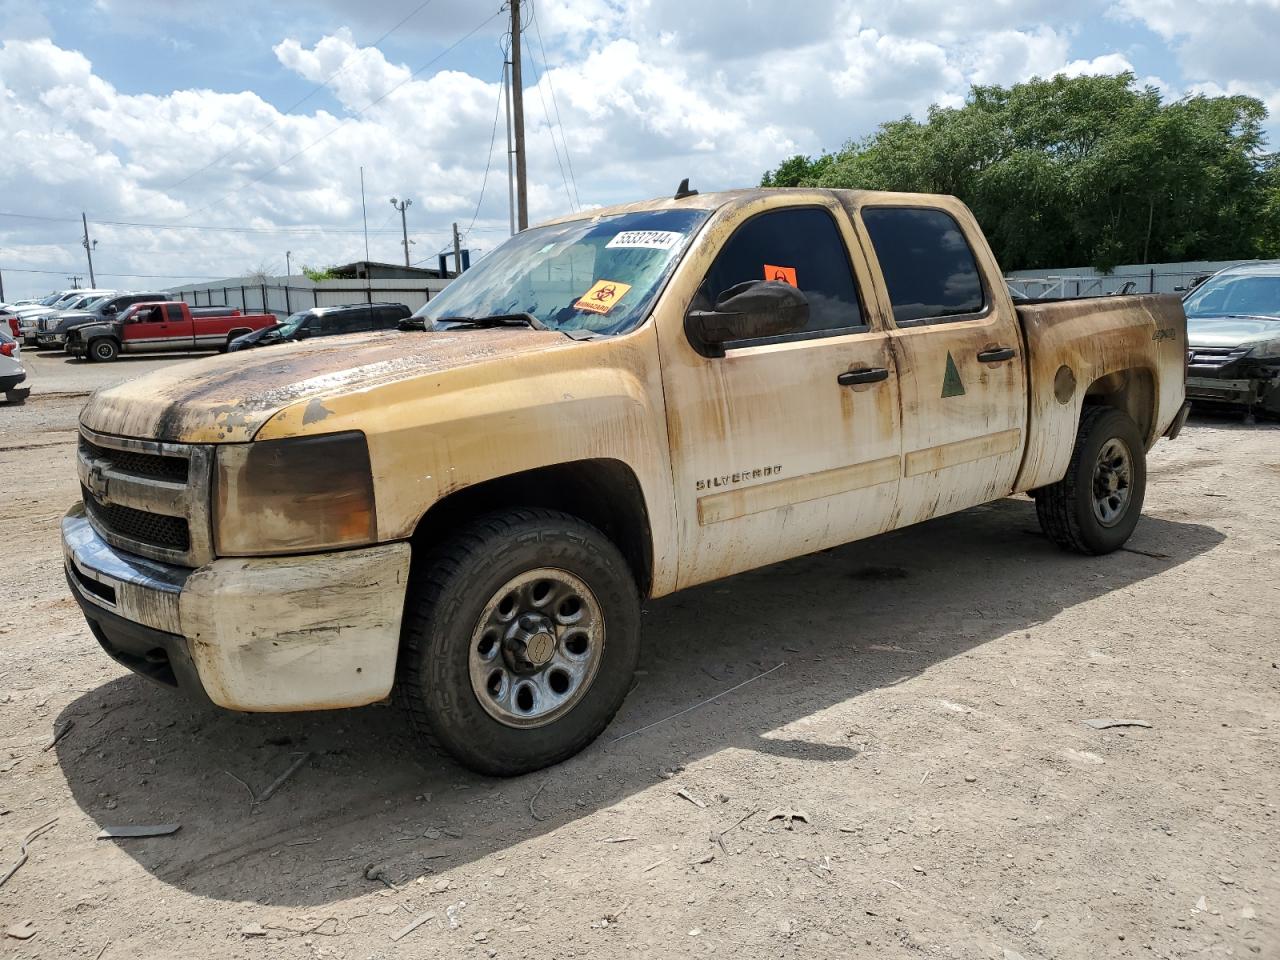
[[162, 326], [609, 407]]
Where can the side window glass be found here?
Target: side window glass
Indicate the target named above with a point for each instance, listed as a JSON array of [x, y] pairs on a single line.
[[927, 263], [174, 311], [800, 246]]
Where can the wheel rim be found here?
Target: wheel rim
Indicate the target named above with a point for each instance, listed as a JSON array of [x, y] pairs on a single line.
[[536, 648], [103, 351], [1112, 482]]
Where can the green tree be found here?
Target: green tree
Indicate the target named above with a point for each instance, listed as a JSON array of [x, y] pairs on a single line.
[[1080, 170], [317, 274]]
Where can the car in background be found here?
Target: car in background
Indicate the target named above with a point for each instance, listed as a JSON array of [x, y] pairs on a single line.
[[12, 373], [163, 327], [29, 316], [51, 331], [1233, 338], [9, 320], [327, 322]]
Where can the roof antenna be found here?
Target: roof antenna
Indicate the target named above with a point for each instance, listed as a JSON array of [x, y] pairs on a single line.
[[683, 190]]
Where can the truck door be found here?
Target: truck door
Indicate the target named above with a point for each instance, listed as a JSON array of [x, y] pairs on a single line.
[[146, 330], [959, 353], [789, 444], [181, 332]]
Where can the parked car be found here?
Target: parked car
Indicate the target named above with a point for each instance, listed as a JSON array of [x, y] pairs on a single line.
[[608, 407], [78, 300], [9, 320], [328, 322], [12, 373], [165, 326], [52, 331], [1233, 338]]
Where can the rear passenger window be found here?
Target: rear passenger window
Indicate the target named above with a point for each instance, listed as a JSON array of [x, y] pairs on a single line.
[[174, 311], [927, 263], [801, 246]]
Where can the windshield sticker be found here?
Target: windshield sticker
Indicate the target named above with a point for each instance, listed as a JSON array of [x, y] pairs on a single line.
[[781, 274], [603, 296], [644, 240]]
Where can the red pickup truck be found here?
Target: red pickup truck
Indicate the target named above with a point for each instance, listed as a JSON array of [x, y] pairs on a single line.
[[163, 326]]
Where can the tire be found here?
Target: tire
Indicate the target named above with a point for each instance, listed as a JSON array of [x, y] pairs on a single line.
[[103, 349], [457, 594], [1074, 512], [16, 398]]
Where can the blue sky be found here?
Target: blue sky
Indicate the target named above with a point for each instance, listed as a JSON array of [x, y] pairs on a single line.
[[183, 114]]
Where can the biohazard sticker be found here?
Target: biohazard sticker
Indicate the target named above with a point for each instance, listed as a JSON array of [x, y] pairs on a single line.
[[644, 240], [781, 274], [603, 296]]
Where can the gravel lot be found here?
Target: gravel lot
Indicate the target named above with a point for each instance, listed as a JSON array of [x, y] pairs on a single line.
[[920, 722]]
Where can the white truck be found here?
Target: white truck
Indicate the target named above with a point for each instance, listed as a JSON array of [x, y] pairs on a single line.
[[611, 406]]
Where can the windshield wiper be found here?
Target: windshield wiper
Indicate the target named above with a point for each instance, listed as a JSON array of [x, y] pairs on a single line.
[[497, 320]]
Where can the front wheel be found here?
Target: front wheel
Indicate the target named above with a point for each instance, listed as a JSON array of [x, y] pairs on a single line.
[[103, 349], [1094, 508], [520, 640]]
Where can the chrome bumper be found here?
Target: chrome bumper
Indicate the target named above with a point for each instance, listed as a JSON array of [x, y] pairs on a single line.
[[141, 590]]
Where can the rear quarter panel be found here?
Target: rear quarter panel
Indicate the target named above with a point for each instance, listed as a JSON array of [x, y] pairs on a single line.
[[1131, 344]]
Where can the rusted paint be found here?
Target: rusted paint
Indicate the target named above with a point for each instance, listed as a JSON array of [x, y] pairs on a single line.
[[718, 507]]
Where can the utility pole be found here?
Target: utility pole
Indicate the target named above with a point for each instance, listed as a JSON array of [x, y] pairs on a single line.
[[517, 106], [287, 270], [457, 252], [364, 215], [511, 176], [403, 205], [88, 249]]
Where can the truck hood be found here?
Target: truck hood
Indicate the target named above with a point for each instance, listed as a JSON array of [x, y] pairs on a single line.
[[1229, 331], [227, 399]]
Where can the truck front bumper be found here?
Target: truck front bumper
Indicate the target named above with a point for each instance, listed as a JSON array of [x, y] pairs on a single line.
[[271, 634], [51, 339]]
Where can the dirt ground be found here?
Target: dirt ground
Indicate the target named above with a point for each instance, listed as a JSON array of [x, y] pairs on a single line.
[[921, 716]]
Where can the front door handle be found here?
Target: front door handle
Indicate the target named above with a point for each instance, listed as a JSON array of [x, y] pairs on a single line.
[[996, 355], [851, 378]]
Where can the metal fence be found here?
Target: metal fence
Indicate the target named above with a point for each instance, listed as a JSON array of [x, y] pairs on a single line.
[[1133, 278], [285, 295]]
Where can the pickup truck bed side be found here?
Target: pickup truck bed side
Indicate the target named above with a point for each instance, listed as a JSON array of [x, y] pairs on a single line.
[[1127, 352]]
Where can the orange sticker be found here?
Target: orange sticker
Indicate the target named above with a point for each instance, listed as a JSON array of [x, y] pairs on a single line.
[[603, 296], [781, 274]]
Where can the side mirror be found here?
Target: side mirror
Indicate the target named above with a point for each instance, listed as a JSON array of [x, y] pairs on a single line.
[[110, 308], [748, 311]]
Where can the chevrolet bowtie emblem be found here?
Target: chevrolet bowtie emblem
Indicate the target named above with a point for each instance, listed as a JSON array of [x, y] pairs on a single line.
[[97, 481]]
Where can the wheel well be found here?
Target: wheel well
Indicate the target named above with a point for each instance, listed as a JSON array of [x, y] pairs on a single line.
[[1132, 392], [605, 493]]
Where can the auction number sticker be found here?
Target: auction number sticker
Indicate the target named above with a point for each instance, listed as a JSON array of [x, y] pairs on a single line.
[[644, 240], [603, 296]]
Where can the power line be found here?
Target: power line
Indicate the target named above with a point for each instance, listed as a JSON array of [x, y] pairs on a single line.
[[537, 26], [552, 131], [142, 276], [457, 43], [493, 138], [314, 90], [299, 230]]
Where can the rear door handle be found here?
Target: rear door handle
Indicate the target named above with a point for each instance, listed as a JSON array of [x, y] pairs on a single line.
[[996, 355], [852, 378]]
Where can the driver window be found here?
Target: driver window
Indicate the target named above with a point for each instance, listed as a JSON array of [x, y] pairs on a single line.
[[148, 315], [800, 246]]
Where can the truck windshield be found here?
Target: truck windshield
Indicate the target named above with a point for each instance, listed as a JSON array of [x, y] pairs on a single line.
[[290, 325], [597, 275], [1235, 295]]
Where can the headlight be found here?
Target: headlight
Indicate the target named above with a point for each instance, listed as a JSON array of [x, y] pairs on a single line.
[[294, 495], [1266, 350]]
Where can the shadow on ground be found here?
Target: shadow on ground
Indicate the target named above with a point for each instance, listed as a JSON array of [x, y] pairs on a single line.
[[844, 621]]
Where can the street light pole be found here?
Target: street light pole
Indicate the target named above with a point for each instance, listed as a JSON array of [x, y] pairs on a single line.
[[287, 254], [88, 249], [403, 205], [517, 107]]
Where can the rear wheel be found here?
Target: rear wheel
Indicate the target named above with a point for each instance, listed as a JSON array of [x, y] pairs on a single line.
[[104, 349], [521, 636], [1094, 508]]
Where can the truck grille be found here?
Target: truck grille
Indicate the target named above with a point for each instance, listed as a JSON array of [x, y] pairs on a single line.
[[168, 533], [142, 464], [147, 497]]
